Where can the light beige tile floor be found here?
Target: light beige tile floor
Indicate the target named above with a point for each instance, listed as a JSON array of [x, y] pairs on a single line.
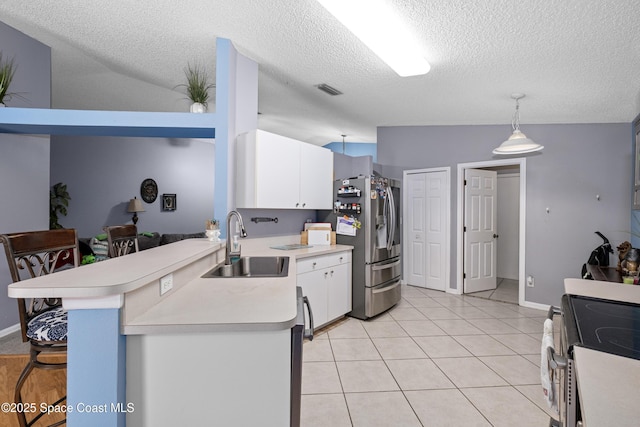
[[506, 291], [435, 359]]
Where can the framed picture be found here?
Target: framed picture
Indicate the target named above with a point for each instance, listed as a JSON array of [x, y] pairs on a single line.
[[168, 202]]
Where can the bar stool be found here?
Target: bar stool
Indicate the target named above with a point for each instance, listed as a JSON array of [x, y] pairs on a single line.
[[43, 321], [122, 239]]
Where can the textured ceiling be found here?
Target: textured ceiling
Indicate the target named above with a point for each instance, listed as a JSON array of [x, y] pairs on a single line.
[[578, 61]]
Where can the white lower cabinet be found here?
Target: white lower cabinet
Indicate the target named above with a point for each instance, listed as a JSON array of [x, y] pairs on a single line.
[[326, 282]]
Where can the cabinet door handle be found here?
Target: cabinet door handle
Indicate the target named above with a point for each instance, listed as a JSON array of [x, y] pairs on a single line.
[[297, 204], [314, 264], [341, 259], [304, 204], [325, 274]]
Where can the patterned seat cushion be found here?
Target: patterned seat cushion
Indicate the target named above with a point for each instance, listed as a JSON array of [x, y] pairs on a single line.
[[100, 248], [49, 326]]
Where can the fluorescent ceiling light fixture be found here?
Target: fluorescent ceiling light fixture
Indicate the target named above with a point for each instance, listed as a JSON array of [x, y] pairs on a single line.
[[378, 26], [518, 143]]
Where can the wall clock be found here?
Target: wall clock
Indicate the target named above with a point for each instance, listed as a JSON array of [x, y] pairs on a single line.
[[149, 190]]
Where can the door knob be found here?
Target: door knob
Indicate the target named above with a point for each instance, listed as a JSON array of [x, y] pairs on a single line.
[[495, 236]]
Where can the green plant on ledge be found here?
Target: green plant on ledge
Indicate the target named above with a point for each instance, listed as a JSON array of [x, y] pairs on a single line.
[[58, 204], [7, 70], [197, 84]]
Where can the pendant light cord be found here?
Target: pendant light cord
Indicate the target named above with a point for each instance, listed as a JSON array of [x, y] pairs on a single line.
[[515, 123]]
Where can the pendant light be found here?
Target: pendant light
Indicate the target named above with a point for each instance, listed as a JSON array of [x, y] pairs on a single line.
[[518, 143]]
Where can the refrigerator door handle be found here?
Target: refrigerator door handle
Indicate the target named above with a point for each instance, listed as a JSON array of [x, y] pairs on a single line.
[[385, 266], [391, 220]]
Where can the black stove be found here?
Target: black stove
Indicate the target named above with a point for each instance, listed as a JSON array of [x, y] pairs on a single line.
[[603, 325]]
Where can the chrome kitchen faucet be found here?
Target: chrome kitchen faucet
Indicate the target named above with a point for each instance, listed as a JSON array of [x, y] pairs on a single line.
[[229, 252]]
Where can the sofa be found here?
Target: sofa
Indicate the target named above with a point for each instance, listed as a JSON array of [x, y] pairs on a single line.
[[97, 245]]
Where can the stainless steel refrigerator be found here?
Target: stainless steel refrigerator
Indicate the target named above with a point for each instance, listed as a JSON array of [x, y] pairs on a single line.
[[369, 209]]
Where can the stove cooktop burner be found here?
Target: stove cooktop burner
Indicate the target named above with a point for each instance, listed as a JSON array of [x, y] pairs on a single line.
[[609, 326], [620, 339]]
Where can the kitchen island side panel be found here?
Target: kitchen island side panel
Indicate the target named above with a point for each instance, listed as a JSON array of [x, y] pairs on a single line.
[[225, 379]]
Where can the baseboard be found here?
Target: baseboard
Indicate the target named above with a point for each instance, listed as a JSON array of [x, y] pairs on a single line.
[[455, 291], [8, 331], [535, 305]]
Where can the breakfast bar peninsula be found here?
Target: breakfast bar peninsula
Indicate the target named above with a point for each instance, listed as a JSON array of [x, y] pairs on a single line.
[[153, 343]]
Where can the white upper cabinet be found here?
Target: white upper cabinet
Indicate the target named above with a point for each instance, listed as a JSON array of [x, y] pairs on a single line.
[[276, 172]]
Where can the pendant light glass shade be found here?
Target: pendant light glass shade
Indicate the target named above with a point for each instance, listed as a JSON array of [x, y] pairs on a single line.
[[518, 143]]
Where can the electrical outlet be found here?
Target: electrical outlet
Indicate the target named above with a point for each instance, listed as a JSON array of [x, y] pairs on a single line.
[[166, 283], [530, 281]]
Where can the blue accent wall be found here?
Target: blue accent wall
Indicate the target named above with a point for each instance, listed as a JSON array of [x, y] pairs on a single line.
[[355, 149], [97, 381]]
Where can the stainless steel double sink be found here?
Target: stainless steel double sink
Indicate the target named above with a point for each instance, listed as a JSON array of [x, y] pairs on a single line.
[[251, 266]]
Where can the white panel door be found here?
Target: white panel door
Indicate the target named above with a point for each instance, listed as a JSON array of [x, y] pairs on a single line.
[[436, 230], [427, 232], [416, 198], [480, 218]]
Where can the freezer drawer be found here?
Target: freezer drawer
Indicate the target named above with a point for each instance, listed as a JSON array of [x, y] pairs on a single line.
[[382, 272], [381, 298]]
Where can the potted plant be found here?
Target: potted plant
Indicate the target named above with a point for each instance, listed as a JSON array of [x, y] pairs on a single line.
[[7, 70], [58, 203], [197, 87]]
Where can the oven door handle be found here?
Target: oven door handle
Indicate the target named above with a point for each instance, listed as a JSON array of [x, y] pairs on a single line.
[[555, 360], [553, 311], [308, 333]]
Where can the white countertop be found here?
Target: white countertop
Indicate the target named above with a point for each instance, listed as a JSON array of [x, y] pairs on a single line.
[[115, 276], [200, 304], [232, 304], [608, 386], [604, 290]]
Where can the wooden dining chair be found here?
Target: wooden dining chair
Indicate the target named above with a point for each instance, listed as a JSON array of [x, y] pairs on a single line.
[[43, 321], [122, 239]]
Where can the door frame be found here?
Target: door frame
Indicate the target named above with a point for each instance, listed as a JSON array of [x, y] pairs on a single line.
[[447, 226], [522, 163]]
